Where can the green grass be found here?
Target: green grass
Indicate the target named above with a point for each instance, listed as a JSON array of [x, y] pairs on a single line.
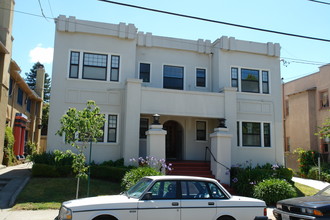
[[49, 193], [304, 190]]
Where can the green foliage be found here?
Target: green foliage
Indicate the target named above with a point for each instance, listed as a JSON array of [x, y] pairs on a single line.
[[31, 148], [114, 174], [244, 178], [117, 163], [306, 159], [324, 130], [31, 78], [9, 156], [45, 117], [134, 175], [273, 190], [44, 170]]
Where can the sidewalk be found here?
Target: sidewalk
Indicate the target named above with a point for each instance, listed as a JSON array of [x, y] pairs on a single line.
[[312, 183]]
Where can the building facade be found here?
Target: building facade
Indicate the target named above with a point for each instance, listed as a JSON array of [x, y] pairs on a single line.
[[191, 84], [306, 107]]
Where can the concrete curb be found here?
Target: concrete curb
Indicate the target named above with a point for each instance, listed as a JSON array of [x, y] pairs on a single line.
[[18, 191]]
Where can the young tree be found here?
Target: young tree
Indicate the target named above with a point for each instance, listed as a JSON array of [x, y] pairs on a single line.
[[31, 81], [80, 128], [324, 131]]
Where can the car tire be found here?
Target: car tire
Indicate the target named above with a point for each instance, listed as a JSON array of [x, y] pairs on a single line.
[[226, 218], [105, 217]]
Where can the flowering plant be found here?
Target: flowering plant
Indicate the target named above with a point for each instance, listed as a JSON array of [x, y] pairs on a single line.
[[157, 164]]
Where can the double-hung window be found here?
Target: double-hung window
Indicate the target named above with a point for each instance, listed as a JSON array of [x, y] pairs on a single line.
[[173, 77], [265, 82], [112, 128], [20, 96], [95, 66], [234, 77], [200, 77], [324, 99], [74, 64], [145, 72], [114, 72], [254, 134], [28, 104], [250, 80], [201, 130]]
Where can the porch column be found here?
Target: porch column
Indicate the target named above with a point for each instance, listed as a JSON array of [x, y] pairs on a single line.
[[221, 149], [156, 141]]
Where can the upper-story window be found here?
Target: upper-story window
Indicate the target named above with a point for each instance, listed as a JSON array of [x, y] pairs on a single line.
[[145, 72], [173, 77], [324, 99], [254, 134], [20, 96], [74, 64], [114, 73], [95, 66], [28, 104], [200, 77], [250, 80]]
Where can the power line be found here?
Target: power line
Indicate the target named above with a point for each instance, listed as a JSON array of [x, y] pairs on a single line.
[[42, 11], [325, 3], [218, 22]]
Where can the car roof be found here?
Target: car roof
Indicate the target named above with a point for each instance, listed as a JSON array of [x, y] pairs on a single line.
[[174, 177]]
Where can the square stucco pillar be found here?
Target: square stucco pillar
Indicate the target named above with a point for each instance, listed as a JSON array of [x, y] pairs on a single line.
[[130, 145], [156, 141], [221, 149]]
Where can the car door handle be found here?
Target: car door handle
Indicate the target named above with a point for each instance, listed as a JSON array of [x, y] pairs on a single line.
[[175, 203], [211, 203]]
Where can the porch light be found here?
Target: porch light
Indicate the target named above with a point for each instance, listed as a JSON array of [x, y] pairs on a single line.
[[156, 119], [222, 123]]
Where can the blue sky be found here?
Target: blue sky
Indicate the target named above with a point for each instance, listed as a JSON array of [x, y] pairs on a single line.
[[34, 35]]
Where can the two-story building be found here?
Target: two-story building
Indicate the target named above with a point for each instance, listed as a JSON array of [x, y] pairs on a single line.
[[191, 84]]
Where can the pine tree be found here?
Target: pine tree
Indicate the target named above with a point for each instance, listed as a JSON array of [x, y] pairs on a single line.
[[31, 81]]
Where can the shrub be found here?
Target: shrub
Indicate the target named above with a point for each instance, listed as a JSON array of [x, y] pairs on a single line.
[[9, 156], [307, 159], [31, 148], [44, 170], [117, 163], [114, 174], [313, 173], [134, 175], [273, 190]]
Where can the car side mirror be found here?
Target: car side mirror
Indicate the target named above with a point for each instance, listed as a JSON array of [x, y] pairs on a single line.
[[147, 196]]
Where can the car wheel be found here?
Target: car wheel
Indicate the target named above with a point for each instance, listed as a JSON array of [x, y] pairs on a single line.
[[226, 218], [105, 217]]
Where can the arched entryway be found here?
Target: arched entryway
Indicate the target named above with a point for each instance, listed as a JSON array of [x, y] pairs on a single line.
[[174, 140]]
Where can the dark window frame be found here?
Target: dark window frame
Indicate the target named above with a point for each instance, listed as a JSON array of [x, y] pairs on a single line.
[[234, 77], [144, 126], [265, 81], [74, 64], [28, 104], [115, 66], [201, 134], [249, 79], [144, 73], [112, 127], [94, 64], [20, 96], [200, 80], [324, 104], [253, 133], [167, 79]]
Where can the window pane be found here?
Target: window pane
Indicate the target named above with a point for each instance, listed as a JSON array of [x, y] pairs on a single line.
[[144, 123], [234, 77], [173, 77], [74, 58], [95, 60], [94, 73], [114, 73], [200, 77], [145, 72], [265, 82], [265, 88], [20, 96], [74, 71], [95, 66], [266, 135], [250, 80], [112, 128], [324, 99], [251, 134], [115, 61], [173, 72], [201, 130]]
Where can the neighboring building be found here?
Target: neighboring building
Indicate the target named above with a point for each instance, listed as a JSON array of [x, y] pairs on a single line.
[[192, 84], [306, 106], [6, 39], [24, 109], [20, 107]]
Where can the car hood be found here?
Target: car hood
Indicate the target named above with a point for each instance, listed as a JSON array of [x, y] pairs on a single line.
[[100, 202], [308, 201]]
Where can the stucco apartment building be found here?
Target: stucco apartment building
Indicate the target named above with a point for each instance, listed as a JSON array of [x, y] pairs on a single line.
[[191, 84], [306, 106], [20, 107]]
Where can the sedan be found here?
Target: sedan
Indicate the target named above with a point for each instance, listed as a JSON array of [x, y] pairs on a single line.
[[167, 197], [301, 208]]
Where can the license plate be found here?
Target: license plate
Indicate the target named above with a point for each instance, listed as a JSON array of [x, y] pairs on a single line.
[[285, 217]]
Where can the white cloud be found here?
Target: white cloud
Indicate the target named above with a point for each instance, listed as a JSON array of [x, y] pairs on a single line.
[[43, 55]]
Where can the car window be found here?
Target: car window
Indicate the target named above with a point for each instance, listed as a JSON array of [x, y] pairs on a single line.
[[194, 190], [215, 191], [164, 190], [139, 188]]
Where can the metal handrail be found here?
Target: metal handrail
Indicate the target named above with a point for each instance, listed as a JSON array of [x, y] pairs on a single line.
[[208, 149]]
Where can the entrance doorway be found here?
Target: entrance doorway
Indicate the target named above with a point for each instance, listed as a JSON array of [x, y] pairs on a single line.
[[174, 140]]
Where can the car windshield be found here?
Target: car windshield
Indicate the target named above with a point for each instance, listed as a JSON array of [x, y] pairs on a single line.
[[324, 192], [138, 189]]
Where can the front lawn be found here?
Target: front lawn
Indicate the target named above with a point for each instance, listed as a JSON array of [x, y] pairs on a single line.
[[49, 193]]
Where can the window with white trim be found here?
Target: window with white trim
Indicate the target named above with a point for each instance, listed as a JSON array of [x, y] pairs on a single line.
[[254, 134], [201, 130], [145, 72], [250, 80], [74, 64], [95, 66], [173, 77], [114, 72], [200, 77], [112, 128]]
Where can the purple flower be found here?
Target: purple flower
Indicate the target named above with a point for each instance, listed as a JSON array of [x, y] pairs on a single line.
[[235, 180]]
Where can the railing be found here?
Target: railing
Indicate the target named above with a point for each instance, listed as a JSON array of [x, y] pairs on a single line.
[[209, 150]]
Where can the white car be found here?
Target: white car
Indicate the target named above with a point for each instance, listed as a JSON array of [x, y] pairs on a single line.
[[167, 198]]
